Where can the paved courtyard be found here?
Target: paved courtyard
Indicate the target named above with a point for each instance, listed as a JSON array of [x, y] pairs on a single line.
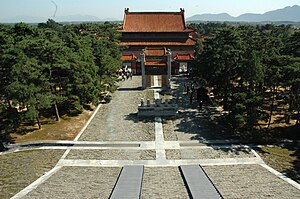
[[116, 136]]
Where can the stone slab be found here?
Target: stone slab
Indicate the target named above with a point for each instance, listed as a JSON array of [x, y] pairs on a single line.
[[198, 182], [129, 183]]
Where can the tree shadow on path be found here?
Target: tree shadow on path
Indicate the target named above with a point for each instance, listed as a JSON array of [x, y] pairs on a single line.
[[200, 123], [138, 119]]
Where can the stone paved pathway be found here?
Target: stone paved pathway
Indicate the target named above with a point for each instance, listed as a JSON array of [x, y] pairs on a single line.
[[117, 137]]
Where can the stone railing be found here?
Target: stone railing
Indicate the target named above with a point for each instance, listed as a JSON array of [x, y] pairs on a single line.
[[158, 108]]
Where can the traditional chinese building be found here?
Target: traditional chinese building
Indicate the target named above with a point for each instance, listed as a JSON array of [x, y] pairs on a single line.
[[158, 44]]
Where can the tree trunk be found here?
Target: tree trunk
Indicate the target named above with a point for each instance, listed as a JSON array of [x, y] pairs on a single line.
[[55, 102], [270, 116], [272, 107], [56, 111], [290, 109], [38, 122], [9, 104]]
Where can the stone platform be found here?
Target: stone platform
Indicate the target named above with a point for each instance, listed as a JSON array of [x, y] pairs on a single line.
[[157, 109]]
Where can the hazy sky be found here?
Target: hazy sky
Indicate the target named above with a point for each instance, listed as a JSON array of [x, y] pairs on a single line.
[[115, 8]]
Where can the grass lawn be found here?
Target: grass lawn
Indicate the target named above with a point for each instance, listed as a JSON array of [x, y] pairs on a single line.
[[20, 169], [285, 159], [66, 129]]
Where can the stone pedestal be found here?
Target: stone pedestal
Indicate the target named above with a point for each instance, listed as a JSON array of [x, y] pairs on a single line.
[[158, 109], [164, 81]]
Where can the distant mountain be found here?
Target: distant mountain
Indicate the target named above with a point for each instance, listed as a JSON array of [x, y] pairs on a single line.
[[32, 19], [211, 17], [111, 19], [285, 14]]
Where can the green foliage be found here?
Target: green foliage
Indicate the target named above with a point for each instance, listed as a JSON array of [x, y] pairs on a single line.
[[10, 120], [208, 28], [55, 66], [198, 47], [250, 69]]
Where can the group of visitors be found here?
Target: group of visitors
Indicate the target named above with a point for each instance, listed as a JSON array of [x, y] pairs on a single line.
[[125, 73], [196, 90]]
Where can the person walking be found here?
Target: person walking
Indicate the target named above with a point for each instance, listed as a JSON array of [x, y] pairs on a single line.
[[187, 88], [200, 104], [202, 96], [192, 94], [199, 95]]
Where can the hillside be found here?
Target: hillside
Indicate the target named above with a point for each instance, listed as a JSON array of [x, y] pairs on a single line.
[[285, 14]]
